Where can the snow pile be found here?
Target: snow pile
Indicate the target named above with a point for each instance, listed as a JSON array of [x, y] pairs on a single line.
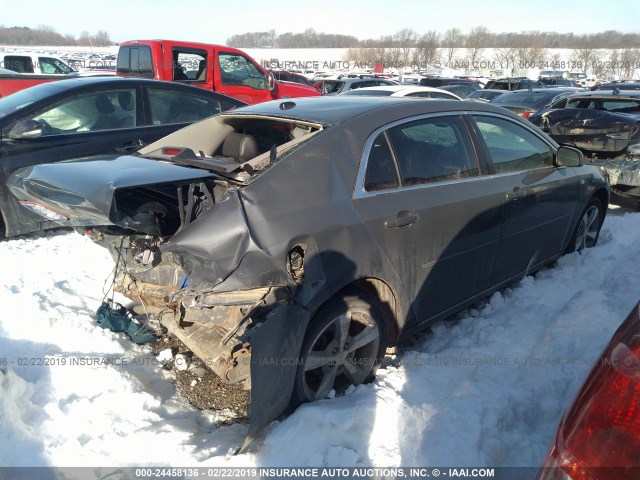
[[487, 389]]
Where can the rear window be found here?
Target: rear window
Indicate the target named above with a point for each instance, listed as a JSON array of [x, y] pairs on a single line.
[[525, 98], [17, 63], [135, 61]]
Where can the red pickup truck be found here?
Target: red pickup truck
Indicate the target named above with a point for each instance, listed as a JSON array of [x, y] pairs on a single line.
[[12, 82], [214, 67]]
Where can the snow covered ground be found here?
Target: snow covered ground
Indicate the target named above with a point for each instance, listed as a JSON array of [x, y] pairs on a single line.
[[486, 390]]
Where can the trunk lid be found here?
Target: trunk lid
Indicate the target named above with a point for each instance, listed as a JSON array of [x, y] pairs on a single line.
[[133, 192]]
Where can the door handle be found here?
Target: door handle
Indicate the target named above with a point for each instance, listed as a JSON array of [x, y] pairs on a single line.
[[516, 195], [131, 146], [402, 219]]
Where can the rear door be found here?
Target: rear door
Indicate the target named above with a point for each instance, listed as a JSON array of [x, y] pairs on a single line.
[[539, 199], [424, 200]]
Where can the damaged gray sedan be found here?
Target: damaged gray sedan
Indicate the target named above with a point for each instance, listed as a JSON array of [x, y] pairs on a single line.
[[290, 243]]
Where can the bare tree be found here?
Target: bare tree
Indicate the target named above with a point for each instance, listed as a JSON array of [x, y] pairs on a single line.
[[101, 39], [629, 61], [451, 40], [506, 57], [584, 58], [475, 43], [404, 40], [426, 51]]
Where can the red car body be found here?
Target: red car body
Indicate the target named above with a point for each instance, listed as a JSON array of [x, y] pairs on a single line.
[[11, 83], [214, 67], [599, 436]]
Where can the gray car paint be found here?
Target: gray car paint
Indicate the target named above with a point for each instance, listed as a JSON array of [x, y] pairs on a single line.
[[446, 259]]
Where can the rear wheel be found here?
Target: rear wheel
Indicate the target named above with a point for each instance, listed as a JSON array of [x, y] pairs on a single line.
[[588, 228], [343, 346]]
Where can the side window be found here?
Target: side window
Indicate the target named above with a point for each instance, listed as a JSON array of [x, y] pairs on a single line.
[[237, 70], [433, 150], [135, 61], [189, 65], [562, 103], [170, 106], [17, 63], [512, 147], [97, 111], [52, 66], [381, 170]]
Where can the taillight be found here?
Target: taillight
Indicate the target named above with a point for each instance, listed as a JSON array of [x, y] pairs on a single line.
[[599, 438], [525, 114], [172, 152]]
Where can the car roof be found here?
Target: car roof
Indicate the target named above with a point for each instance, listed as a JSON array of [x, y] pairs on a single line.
[[77, 82], [611, 93], [405, 89], [550, 91], [327, 110]]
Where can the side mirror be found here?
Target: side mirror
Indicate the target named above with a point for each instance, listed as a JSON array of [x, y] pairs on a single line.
[[25, 130], [569, 157], [271, 82]]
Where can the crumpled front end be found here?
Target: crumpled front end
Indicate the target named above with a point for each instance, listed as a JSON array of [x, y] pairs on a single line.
[[624, 174]]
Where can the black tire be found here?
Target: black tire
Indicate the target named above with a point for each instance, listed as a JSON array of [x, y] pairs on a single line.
[[588, 228], [337, 363]]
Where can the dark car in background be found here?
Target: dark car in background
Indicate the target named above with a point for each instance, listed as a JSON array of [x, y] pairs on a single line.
[[281, 230], [463, 91], [88, 116], [438, 82], [514, 83], [603, 123], [598, 437], [485, 94], [527, 102], [558, 82], [619, 86]]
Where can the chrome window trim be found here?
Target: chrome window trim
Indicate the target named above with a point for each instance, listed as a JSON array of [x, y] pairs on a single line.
[[361, 192]]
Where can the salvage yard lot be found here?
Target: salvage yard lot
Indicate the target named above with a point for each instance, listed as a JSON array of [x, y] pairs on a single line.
[[486, 389]]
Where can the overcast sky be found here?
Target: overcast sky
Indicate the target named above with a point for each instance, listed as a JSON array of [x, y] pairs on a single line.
[[215, 21]]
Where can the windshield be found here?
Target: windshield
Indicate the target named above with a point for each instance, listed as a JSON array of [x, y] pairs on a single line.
[[24, 98]]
